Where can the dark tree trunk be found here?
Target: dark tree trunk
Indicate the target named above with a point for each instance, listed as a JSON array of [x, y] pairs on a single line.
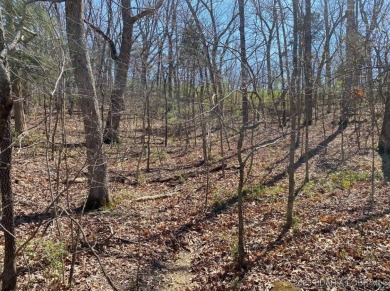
[[384, 140], [121, 68], [7, 219], [8, 277]]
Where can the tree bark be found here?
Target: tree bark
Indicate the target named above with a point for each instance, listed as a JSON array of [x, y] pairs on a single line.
[[244, 72], [350, 50], [328, 69], [8, 276], [7, 200], [308, 65], [98, 195], [293, 118], [245, 120], [20, 118], [384, 140], [121, 68]]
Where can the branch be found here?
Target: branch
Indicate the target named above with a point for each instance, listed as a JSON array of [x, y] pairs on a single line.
[[114, 53], [52, 1], [93, 251], [133, 19], [263, 146], [155, 197], [29, 38], [18, 35], [146, 12]]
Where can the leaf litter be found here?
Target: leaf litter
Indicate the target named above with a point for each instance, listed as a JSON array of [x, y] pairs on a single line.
[[340, 239]]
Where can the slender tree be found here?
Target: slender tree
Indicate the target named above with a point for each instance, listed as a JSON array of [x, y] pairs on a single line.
[[308, 70], [293, 118], [308, 64], [245, 120], [244, 63], [350, 66]]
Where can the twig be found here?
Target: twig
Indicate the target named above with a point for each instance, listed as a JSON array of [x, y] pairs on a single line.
[[109, 280], [154, 197]]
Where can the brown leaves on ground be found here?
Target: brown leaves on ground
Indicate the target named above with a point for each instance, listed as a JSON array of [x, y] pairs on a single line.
[[339, 239]]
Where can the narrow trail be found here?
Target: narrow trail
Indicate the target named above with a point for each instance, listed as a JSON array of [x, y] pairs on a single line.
[[177, 273]]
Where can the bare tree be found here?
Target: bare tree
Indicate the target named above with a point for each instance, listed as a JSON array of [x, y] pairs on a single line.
[[308, 70], [293, 118], [244, 84], [121, 68], [99, 194], [350, 65], [308, 64], [244, 63]]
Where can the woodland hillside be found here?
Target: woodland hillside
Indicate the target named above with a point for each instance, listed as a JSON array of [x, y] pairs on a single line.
[[195, 145]]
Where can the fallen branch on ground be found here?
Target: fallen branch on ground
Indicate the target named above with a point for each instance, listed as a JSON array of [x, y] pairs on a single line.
[[154, 197]]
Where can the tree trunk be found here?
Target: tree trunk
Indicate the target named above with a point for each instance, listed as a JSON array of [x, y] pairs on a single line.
[[241, 243], [8, 277], [328, 69], [384, 140], [121, 69], [293, 117], [350, 46], [20, 118], [308, 66], [245, 120], [308, 83], [98, 195], [244, 73], [7, 220]]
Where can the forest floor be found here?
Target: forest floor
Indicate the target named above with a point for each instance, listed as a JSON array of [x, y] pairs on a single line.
[[165, 231]]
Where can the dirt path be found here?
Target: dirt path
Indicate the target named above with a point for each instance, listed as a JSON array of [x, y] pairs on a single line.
[[177, 274]]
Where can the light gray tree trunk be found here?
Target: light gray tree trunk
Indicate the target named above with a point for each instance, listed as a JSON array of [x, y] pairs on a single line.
[[98, 195]]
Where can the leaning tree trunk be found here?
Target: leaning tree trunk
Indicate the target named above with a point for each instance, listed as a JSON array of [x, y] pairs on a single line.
[[98, 195], [8, 277]]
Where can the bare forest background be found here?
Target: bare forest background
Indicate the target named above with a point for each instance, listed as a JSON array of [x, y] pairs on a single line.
[[195, 145]]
